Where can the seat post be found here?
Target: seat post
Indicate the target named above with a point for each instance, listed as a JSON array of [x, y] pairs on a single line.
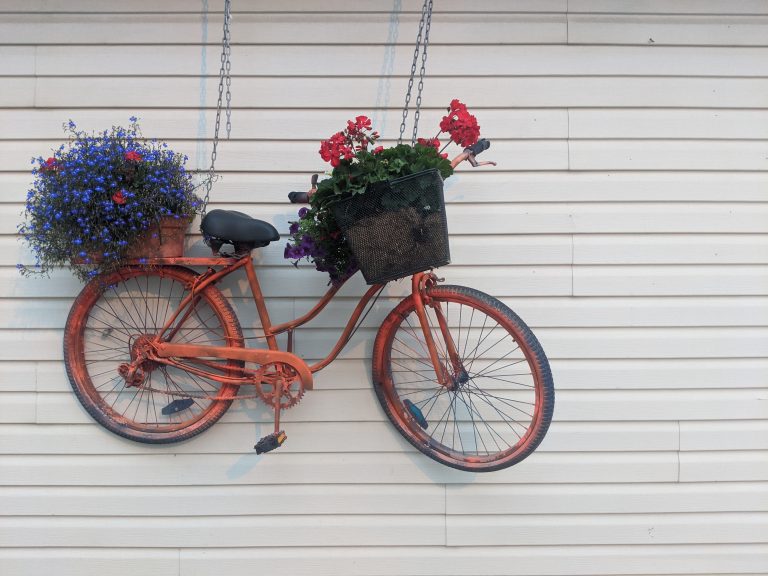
[[261, 306]]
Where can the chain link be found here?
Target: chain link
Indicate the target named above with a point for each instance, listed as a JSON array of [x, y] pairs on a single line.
[[225, 79], [417, 112], [426, 16]]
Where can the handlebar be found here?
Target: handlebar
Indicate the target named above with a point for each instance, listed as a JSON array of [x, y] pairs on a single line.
[[298, 197], [480, 146], [468, 154]]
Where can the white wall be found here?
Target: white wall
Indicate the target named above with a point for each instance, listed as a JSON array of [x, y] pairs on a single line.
[[626, 222]]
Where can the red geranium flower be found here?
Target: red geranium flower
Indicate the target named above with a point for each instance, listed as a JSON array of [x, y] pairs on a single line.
[[433, 142], [49, 165], [378, 149], [133, 156], [343, 145], [119, 197], [460, 124]]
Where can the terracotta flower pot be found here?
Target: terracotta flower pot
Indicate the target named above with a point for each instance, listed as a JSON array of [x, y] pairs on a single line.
[[164, 240]]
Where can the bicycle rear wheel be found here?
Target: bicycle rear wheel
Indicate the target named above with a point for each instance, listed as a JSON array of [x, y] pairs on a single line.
[[499, 403], [112, 315]]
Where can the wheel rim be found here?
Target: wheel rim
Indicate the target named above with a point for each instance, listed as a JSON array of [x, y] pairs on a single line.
[[493, 405], [124, 313]]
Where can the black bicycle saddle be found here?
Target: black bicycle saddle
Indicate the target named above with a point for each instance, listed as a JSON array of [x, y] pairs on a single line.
[[242, 231]]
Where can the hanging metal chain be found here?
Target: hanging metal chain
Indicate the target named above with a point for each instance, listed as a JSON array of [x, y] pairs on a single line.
[[424, 25], [225, 79]]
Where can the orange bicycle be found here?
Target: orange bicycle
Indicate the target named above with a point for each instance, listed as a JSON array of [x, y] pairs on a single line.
[[155, 353]]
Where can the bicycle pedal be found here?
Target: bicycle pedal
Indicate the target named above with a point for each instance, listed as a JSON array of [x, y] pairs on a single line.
[[177, 406], [270, 442], [416, 413]]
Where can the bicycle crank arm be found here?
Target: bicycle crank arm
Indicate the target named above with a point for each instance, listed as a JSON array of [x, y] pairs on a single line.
[[255, 356]]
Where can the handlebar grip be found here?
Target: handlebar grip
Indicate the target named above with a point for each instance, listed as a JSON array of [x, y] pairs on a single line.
[[298, 197], [480, 146]]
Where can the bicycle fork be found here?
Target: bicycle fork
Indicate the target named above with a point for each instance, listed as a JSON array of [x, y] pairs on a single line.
[[458, 374]]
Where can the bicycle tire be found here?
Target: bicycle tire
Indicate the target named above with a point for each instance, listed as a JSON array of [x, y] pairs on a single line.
[[499, 418], [109, 315]]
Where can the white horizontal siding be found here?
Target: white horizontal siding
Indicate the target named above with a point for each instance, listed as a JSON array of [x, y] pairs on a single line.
[[575, 91], [456, 499], [362, 468], [625, 222], [501, 59], [746, 559]]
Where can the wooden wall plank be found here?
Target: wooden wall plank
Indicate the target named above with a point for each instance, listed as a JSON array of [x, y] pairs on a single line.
[[590, 529], [470, 499], [513, 561], [657, 30], [721, 7], [737, 435], [664, 155], [675, 124], [727, 465], [72, 561], [18, 407], [198, 501], [386, 530], [670, 249], [330, 468], [652, 373], [19, 376], [459, 60], [227, 531], [262, 6], [17, 60], [461, 499], [670, 281], [136, 93], [280, 28], [422, 561], [314, 437], [18, 91]]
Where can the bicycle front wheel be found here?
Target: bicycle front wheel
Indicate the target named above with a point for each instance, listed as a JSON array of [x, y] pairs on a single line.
[[498, 405], [113, 315]]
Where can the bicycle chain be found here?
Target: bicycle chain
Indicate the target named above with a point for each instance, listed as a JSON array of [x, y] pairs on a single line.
[[202, 396]]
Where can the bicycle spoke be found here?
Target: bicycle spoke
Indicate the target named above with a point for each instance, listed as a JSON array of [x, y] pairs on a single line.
[[473, 376]]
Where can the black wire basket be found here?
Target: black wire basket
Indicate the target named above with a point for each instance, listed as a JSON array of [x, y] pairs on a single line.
[[397, 228]]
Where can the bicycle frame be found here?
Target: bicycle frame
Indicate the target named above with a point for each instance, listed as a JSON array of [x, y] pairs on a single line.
[[164, 350]]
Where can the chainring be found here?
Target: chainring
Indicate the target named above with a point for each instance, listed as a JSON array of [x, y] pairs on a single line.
[[282, 375]]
